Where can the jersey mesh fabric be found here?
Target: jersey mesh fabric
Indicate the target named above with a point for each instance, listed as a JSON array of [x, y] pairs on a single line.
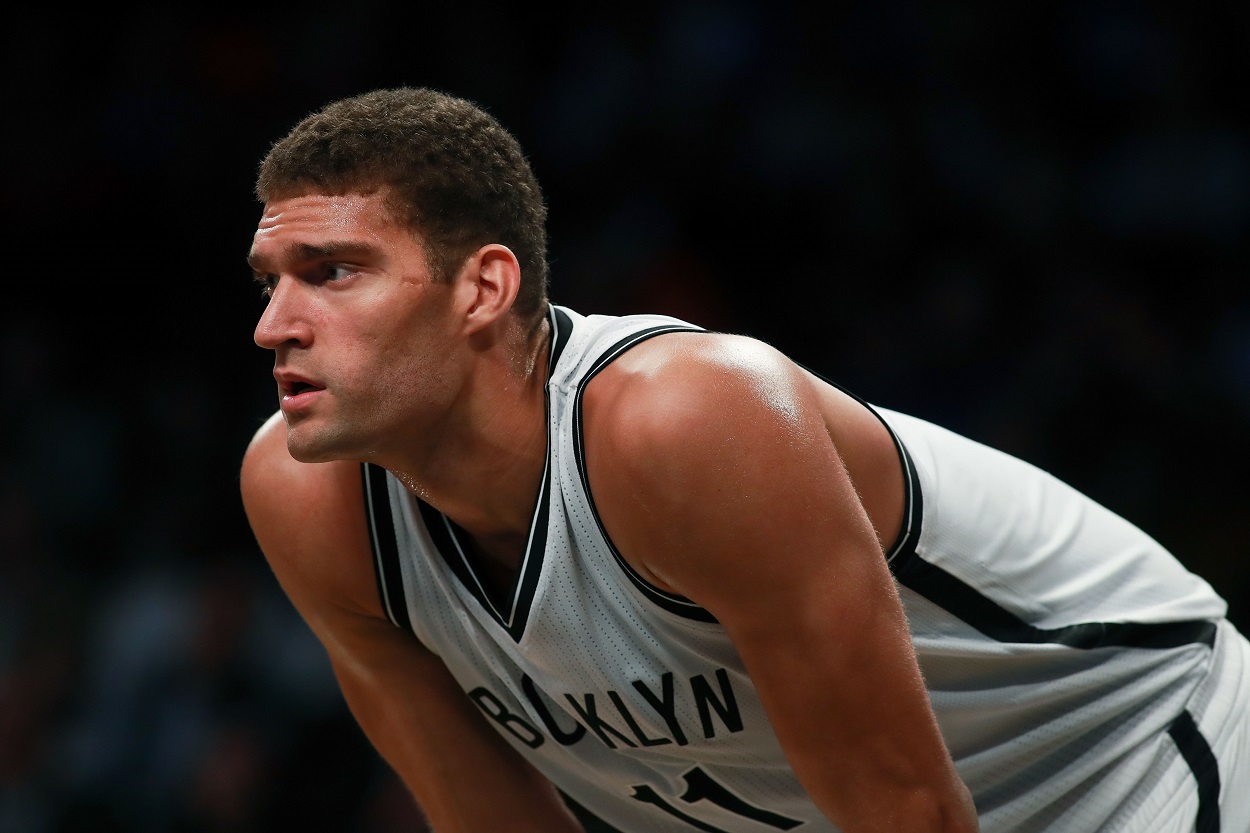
[[637, 706]]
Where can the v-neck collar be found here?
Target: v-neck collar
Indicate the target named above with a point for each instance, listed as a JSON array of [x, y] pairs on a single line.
[[511, 608]]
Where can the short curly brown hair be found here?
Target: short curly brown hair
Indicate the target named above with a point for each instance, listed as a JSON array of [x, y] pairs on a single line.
[[449, 170]]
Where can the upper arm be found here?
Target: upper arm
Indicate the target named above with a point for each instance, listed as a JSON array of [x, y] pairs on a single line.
[[716, 472], [309, 522]]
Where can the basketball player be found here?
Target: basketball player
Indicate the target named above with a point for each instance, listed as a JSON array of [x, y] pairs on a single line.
[[669, 576]]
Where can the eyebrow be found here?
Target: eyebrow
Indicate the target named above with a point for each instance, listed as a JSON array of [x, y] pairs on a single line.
[[304, 252]]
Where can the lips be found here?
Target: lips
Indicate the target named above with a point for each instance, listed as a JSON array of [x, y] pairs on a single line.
[[293, 384]]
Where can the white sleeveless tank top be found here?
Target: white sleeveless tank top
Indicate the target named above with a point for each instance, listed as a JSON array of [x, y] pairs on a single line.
[[1066, 653]]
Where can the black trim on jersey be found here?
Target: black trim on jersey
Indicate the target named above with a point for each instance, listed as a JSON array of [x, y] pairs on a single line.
[[950, 593], [904, 545], [561, 329], [671, 602], [446, 535], [986, 615], [511, 612], [385, 548], [983, 613], [1197, 753]]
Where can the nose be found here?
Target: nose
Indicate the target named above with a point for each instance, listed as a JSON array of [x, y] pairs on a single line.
[[283, 321]]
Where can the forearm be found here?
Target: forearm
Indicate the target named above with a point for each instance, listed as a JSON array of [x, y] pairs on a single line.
[[463, 775], [495, 803], [880, 781], [860, 734], [485, 810], [872, 773], [946, 810]]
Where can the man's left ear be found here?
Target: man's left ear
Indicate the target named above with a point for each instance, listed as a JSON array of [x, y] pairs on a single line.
[[490, 280]]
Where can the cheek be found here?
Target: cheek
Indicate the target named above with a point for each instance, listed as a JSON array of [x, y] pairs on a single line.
[[404, 355], [399, 372], [427, 374]]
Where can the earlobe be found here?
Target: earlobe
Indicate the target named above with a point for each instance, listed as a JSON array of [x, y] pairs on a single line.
[[493, 275]]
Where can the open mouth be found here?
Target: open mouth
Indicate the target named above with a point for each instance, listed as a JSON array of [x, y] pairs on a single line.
[[297, 388]]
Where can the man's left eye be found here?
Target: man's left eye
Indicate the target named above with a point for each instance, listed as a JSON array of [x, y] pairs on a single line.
[[266, 283]]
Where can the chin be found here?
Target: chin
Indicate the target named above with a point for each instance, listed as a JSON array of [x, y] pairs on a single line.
[[306, 456], [306, 447]]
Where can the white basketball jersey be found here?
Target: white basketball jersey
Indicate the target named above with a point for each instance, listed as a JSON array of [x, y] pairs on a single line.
[[1067, 655]]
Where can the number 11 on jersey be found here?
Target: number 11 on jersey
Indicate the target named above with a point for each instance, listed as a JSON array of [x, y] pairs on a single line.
[[701, 787]]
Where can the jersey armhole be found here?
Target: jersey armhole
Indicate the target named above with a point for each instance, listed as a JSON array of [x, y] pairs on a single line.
[[383, 544], [904, 545], [671, 602]]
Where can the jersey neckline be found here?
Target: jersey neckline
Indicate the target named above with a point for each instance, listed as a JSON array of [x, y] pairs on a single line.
[[510, 606]]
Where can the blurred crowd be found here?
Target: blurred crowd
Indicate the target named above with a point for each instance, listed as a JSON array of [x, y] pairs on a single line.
[[1028, 224]]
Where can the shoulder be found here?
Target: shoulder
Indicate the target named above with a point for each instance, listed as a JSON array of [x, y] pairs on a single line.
[[684, 431], [275, 483], [677, 382], [308, 519], [695, 444]]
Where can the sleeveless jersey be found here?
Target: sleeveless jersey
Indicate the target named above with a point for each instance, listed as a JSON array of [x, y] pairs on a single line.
[[1077, 670]]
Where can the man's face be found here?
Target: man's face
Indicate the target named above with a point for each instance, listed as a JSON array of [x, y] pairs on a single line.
[[363, 337]]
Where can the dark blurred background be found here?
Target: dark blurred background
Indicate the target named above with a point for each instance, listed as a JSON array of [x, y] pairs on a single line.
[[1025, 221]]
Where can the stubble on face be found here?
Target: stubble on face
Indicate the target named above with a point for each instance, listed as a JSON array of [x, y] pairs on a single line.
[[374, 337]]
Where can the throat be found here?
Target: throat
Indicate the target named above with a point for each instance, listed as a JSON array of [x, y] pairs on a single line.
[[496, 561]]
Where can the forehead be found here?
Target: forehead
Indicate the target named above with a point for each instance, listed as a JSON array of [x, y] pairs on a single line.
[[312, 219]]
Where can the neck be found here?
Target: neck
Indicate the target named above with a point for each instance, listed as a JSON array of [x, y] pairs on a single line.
[[485, 471]]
